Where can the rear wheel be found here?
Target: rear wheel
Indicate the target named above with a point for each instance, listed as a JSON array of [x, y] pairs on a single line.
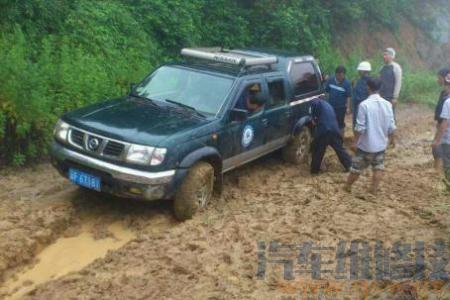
[[195, 192], [297, 151]]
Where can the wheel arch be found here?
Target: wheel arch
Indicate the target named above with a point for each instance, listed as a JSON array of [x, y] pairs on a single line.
[[302, 122], [210, 155]]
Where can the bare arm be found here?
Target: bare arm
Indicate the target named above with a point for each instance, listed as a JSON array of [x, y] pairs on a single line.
[[440, 132], [392, 128], [392, 139], [356, 137]]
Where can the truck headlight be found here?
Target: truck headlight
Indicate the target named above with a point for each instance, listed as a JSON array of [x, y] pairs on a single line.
[[145, 155], [158, 156], [61, 130], [140, 154]]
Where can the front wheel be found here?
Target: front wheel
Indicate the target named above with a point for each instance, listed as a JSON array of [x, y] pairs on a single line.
[[195, 192], [297, 151]]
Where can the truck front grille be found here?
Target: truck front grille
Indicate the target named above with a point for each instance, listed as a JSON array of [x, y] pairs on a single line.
[[102, 147], [77, 137], [113, 148]]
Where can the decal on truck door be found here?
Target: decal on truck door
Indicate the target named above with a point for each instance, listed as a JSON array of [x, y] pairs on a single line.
[[247, 136]]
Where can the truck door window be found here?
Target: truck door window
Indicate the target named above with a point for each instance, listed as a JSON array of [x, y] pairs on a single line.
[[304, 78], [276, 91], [247, 98]]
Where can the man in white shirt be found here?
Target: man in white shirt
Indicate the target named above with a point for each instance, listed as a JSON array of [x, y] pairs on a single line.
[[375, 126], [443, 135]]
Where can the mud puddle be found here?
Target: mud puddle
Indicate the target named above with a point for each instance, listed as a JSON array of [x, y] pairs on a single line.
[[68, 254]]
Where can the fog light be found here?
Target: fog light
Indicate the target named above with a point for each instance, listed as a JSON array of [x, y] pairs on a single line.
[[135, 190]]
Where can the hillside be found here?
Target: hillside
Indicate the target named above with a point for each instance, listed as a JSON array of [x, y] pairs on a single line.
[[417, 48]]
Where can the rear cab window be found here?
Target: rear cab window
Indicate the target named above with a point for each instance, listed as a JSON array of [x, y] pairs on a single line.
[[276, 92], [304, 78]]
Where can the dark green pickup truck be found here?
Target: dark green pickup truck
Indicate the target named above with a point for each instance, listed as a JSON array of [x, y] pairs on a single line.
[[187, 123]]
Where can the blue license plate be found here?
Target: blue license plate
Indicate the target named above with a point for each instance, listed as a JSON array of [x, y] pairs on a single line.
[[84, 179]]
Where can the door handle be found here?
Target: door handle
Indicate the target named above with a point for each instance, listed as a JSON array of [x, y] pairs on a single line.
[[265, 122]]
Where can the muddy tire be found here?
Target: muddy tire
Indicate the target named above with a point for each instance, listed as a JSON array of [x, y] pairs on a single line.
[[195, 192], [297, 151]]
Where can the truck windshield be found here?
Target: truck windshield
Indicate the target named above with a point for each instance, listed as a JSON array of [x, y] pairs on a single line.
[[203, 92]]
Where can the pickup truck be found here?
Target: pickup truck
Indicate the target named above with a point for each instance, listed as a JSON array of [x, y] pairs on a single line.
[[187, 123]]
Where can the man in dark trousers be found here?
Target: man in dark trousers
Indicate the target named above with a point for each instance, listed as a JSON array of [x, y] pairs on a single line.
[[437, 151], [326, 133], [391, 78], [339, 91]]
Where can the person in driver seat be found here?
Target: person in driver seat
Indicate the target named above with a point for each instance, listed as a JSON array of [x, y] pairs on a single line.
[[251, 99]]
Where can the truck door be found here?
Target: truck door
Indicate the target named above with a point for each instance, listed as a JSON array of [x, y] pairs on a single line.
[[277, 114], [247, 137]]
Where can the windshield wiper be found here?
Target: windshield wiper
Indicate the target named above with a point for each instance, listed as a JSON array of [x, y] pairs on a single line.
[[186, 106]]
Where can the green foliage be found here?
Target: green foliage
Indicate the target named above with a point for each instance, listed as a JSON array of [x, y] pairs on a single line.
[[224, 16], [2, 125], [18, 160], [58, 55], [420, 87], [291, 24]]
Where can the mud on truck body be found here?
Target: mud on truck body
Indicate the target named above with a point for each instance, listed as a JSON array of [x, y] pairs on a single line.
[[178, 131]]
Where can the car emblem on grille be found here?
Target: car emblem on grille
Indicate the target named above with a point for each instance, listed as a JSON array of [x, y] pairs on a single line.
[[93, 144]]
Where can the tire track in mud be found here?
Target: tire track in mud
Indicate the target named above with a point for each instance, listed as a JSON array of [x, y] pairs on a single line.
[[39, 207], [29, 217], [213, 256]]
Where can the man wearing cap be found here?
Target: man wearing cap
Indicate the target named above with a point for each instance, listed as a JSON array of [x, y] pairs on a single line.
[[360, 91], [437, 151], [442, 138], [391, 77], [339, 90]]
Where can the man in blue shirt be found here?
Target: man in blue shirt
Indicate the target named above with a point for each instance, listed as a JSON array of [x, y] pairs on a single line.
[[339, 92], [326, 133]]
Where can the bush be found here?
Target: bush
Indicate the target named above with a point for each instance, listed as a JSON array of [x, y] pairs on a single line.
[[420, 87]]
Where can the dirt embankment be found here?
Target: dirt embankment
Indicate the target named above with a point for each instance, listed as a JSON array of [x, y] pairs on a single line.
[[414, 46], [214, 255]]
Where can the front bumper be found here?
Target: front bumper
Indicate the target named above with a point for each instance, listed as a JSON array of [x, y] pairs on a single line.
[[118, 180]]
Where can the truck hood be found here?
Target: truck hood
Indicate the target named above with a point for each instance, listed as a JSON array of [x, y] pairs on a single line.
[[135, 120]]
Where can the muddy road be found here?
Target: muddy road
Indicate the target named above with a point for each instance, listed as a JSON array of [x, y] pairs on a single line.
[[60, 242]]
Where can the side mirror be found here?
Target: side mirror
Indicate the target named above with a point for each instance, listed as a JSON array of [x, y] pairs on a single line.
[[238, 115]]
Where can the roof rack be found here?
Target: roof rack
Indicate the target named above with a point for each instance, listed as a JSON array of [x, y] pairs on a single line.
[[233, 57]]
